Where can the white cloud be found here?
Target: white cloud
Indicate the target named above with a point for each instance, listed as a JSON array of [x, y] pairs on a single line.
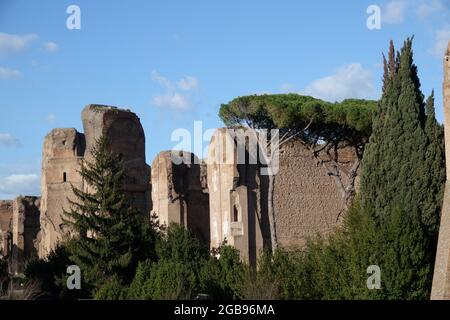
[[441, 39], [51, 47], [13, 43], [9, 140], [350, 81], [162, 81], [172, 97], [174, 101], [426, 9], [7, 74], [394, 12], [188, 83], [51, 118], [24, 184]]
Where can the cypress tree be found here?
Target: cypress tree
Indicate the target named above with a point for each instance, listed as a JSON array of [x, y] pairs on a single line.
[[402, 180], [111, 236]]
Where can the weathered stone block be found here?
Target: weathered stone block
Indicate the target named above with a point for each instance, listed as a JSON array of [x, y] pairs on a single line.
[[441, 278], [177, 192], [25, 230]]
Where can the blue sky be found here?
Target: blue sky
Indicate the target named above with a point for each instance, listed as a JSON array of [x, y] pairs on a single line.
[[173, 62]]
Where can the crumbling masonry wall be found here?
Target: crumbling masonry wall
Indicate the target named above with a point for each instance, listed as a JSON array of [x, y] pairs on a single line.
[[178, 194], [62, 154], [307, 200], [65, 149], [25, 231], [441, 278], [222, 200], [125, 135], [6, 216], [236, 213], [19, 231]]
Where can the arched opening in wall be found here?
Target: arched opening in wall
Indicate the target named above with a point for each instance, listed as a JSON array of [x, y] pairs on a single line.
[[64, 177], [235, 214]]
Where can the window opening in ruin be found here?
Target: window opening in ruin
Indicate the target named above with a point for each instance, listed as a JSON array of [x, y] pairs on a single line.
[[64, 177], [235, 214]]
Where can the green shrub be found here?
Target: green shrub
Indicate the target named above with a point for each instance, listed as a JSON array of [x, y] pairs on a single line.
[[51, 274], [113, 289]]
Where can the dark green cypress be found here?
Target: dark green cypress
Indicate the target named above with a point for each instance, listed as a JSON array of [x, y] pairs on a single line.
[[111, 236], [402, 179]]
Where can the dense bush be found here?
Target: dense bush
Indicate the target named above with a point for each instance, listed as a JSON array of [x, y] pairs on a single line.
[[185, 268], [51, 274]]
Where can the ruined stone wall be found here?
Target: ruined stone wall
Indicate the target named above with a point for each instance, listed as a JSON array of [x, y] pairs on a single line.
[[62, 155], [6, 215], [25, 232], [441, 278], [307, 200], [65, 149], [236, 213], [178, 194], [125, 135]]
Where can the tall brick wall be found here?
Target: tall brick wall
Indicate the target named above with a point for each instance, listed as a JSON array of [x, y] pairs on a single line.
[[25, 232], [124, 132], [441, 279], [307, 200], [6, 216], [177, 192], [62, 154]]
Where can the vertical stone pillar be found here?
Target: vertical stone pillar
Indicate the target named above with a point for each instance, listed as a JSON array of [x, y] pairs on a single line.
[[125, 135], [6, 214], [234, 196], [25, 229], [62, 155], [441, 278], [178, 194]]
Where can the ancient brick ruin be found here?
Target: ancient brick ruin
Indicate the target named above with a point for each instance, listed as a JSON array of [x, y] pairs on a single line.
[[441, 278], [218, 200]]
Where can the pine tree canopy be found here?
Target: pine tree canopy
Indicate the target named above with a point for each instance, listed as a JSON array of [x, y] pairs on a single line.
[[346, 120]]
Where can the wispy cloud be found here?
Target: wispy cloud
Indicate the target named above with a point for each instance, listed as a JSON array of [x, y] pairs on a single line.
[[172, 98], [429, 7], [13, 43], [162, 81], [50, 47], [20, 184], [7, 139], [8, 74], [394, 12], [350, 81], [188, 83], [51, 118], [441, 39]]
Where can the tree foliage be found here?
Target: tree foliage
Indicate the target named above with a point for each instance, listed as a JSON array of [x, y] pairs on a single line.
[[111, 236], [404, 164], [186, 268], [349, 120]]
